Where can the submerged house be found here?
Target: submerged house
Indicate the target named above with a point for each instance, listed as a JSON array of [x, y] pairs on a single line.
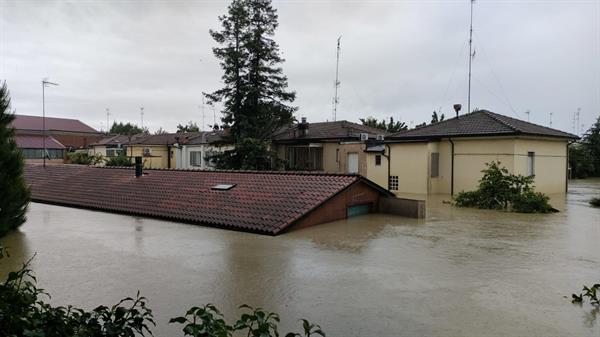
[[448, 157], [261, 202], [336, 147], [194, 152]]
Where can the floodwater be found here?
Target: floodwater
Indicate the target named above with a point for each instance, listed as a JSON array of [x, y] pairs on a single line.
[[460, 272]]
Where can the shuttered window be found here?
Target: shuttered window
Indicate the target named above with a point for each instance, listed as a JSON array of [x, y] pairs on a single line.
[[435, 164], [196, 158]]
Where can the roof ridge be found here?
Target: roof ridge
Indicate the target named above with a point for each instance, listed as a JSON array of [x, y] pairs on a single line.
[[492, 115], [307, 173]]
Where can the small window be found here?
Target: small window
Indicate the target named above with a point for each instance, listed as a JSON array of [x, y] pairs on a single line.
[[530, 164], [147, 152], [110, 152], [378, 160], [196, 158], [435, 164], [393, 183], [223, 187]]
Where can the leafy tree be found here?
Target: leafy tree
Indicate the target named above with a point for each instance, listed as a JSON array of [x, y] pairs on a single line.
[[14, 193], [591, 141], [119, 160], [190, 127], [391, 126], [255, 96], [420, 125], [161, 131], [580, 161], [435, 118], [126, 129]]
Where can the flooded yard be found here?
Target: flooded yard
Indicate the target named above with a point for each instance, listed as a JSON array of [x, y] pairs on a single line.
[[459, 272]]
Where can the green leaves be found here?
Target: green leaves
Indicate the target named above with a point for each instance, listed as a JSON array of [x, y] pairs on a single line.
[[500, 190], [591, 293]]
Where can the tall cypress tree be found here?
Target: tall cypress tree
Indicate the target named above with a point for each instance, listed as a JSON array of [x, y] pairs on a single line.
[[14, 193], [255, 96]]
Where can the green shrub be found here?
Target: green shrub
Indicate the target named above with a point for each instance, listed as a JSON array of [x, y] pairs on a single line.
[[84, 158], [498, 189], [595, 202], [120, 160], [592, 293]]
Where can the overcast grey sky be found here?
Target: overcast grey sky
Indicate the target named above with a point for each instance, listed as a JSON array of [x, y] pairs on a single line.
[[398, 58]]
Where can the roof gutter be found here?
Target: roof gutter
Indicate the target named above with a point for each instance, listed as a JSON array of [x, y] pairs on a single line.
[[388, 157]]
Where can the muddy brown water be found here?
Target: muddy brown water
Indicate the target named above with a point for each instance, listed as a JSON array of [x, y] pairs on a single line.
[[459, 272]]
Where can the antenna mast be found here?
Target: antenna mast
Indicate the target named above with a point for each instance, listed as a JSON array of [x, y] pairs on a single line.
[[142, 115], [337, 81], [107, 126], [470, 58]]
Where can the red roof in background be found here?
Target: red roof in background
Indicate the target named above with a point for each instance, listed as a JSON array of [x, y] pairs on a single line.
[[37, 142], [23, 122], [260, 202]]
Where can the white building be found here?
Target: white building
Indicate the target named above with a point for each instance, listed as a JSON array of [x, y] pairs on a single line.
[[194, 153]]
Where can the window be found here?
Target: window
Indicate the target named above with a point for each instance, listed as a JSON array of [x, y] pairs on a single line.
[[530, 164], [110, 152], [378, 160], [435, 164], [147, 152], [305, 158], [223, 187], [39, 153], [196, 158], [393, 183]]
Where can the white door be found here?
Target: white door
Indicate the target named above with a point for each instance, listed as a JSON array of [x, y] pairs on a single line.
[[352, 162]]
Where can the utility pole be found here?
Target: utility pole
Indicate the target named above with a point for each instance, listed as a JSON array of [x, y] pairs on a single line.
[[470, 58], [576, 121], [142, 116], [45, 83], [336, 84], [107, 114]]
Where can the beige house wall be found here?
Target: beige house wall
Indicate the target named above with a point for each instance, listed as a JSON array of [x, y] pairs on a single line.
[[335, 156], [158, 159], [375, 173], [550, 163], [411, 162]]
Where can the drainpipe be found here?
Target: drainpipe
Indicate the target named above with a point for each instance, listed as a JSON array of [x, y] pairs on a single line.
[[388, 157], [451, 168], [168, 156]]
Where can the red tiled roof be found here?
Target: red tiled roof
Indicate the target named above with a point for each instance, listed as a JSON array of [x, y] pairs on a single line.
[[23, 122], [37, 142], [260, 202]]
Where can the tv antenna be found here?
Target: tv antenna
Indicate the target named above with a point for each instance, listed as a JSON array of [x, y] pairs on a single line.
[[142, 116], [336, 84], [471, 54], [107, 114]]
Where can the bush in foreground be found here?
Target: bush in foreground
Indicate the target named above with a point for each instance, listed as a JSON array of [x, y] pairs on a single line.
[[120, 160], [498, 189], [84, 158], [25, 312]]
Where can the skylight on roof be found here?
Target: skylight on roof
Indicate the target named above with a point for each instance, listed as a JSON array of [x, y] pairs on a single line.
[[223, 187]]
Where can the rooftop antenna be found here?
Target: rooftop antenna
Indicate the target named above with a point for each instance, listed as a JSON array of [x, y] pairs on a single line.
[[576, 121], [471, 54], [142, 115], [551, 119], [336, 84], [202, 113], [528, 112], [214, 116], [107, 114]]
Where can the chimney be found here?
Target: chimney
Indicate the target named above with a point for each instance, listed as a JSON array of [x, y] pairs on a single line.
[[138, 167], [457, 109], [303, 127]]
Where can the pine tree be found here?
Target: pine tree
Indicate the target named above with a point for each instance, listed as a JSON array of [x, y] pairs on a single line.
[[255, 95], [14, 194]]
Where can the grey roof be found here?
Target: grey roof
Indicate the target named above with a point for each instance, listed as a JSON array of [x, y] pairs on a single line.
[[328, 130], [206, 137], [119, 139], [479, 123]]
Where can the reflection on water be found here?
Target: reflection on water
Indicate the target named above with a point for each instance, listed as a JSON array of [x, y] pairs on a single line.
[[459, 272]]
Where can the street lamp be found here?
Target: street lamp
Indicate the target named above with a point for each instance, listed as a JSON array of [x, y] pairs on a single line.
[[45, 83]]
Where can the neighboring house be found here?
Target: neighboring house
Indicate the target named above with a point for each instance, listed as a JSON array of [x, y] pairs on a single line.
[[114, 145], [71, 133], [158, 151], [336, 147], [193, 152], [448, 157], [32, 147]]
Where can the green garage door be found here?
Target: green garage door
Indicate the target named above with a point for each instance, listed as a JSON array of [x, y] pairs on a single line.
[[357, 210]]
